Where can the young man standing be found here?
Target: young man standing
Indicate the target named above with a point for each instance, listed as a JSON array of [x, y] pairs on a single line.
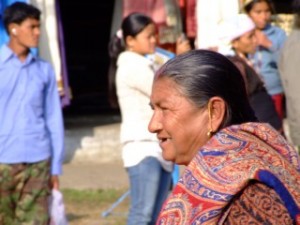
[[31, 127]]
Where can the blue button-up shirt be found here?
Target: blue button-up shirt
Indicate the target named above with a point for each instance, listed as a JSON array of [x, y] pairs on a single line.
[[31, 126]]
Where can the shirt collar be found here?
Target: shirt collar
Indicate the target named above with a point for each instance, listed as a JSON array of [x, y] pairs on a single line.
[[269, 29], [6, 53]]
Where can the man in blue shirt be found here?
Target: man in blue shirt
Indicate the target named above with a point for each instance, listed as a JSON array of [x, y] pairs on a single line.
[[31, 126]]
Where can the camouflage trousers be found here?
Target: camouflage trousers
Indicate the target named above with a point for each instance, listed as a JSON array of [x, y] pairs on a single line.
[[24, 192]]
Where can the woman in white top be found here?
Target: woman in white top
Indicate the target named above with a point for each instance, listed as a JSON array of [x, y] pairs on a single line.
[[149, 173]]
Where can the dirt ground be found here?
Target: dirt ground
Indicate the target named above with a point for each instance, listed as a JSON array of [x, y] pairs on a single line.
[[91, 214], [94, 176], [90, 176]]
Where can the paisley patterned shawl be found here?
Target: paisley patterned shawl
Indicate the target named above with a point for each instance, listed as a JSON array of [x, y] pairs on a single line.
[[229, 163]]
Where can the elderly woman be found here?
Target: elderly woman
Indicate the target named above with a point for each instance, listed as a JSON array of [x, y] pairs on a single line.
[[238, 171]]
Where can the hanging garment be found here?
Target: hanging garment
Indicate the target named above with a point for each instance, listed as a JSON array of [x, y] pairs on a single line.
[[66, 94], [152, 8], [209, 14], [165, 14], [116, 17], [49, 47], [190, 19], [173, 26]]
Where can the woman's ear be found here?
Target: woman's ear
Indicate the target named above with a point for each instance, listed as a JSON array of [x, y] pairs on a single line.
[[130, 42], [216, 111]]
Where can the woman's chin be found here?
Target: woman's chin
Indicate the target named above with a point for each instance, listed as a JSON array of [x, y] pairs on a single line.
[[168, 157]]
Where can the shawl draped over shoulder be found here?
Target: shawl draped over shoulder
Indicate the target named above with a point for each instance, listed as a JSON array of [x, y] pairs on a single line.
[[245, 174]]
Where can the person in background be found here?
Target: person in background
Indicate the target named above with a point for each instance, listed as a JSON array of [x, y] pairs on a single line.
[[289, 67], [238, 171], [270, 40], [31, 131], [238, 33], [149, 174]]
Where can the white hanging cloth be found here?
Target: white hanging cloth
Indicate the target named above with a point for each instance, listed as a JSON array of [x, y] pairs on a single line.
[[49, 45], [209, 14]]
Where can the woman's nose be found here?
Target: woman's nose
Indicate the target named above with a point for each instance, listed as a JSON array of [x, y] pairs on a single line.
[[154, 125]]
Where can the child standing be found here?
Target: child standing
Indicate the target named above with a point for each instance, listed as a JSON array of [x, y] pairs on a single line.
[[270, 40], [149, 174]]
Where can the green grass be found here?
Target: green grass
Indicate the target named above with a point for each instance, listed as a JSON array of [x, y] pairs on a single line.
[[87, 206], [91, 196]]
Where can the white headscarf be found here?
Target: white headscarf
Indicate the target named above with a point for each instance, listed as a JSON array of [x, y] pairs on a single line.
[[232, 28]]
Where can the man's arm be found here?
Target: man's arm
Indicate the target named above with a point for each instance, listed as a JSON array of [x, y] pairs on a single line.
[[54, 126]]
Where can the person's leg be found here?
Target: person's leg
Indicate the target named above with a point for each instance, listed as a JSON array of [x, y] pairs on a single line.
[[32, 207], [134, 176], [8, 181], [162, 194], [144, 185]]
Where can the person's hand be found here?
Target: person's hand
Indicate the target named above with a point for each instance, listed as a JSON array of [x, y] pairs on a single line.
[[54, 182], [182, 45], [262, 39]]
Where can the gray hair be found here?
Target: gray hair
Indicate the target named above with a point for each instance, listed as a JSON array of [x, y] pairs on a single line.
[[202, 74]]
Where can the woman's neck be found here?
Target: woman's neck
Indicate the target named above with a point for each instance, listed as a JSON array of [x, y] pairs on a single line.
[[244, 57], [241, 55]]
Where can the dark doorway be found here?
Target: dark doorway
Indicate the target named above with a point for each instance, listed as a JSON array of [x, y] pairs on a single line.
[[87, 27]]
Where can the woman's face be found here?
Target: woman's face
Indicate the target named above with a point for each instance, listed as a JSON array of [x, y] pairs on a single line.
[[181, 127], [246, 43], [260, 14], [144, 43]]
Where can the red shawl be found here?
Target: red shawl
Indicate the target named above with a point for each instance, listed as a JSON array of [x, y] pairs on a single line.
[[245, 160]]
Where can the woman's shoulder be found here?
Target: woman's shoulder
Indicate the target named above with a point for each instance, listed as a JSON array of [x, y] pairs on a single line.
[[131, 64], [275, 30], [132, 58]]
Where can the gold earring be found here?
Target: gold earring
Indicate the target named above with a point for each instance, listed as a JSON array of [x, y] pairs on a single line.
[[210, 132]]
